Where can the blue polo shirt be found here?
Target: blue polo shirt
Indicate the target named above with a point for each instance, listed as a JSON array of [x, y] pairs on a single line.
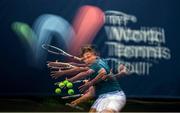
[[103, 86]]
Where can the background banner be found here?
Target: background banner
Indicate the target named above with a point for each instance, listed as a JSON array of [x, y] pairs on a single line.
[[141, 34]]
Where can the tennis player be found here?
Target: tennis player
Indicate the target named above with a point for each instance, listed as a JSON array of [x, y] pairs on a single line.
[[90, 94], [110, 97]]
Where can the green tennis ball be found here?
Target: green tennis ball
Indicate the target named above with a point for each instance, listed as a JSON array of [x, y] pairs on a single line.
[[58, 90], [69, 85], [65, 82], [61, 84], [70, 91]]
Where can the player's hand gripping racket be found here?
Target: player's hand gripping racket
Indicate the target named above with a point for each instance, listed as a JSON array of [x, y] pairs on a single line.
[[58, 51]]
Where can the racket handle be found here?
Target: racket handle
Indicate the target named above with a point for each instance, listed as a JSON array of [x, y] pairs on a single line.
[[73, 96]]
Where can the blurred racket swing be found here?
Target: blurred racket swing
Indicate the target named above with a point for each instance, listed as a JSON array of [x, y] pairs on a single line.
[[58, 51], [70, 67], [64, 85]]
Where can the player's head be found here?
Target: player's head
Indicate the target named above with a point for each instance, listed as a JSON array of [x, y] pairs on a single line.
[[89, 53]]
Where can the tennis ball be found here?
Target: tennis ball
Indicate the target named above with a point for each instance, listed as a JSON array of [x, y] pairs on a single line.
[[69, 85], [61, 84], [65, 82], [70, 91], [58, 90]]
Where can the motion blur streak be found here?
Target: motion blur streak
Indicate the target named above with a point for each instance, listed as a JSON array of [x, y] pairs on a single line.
[[47, 26], [87, 23]]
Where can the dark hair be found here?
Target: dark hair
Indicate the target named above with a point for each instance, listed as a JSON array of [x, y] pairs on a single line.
[[89, 48]]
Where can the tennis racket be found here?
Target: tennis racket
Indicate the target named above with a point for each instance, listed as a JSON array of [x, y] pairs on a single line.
[[78, 81], [60, 65], [58, 51], [72, 96]]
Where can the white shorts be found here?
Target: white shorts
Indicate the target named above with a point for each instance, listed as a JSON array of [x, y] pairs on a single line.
[[113, 100]]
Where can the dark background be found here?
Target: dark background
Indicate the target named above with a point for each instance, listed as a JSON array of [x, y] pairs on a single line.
[[17, 77]]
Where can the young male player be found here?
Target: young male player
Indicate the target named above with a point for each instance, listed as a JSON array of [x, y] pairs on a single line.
[[90, 94], [110, 97]]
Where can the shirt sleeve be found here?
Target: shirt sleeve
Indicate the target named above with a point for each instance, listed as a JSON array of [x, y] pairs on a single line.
[[95, 67]]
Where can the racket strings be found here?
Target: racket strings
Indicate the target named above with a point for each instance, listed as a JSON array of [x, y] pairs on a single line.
[[58, 51]]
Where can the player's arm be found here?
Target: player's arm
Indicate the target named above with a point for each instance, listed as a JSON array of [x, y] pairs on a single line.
[[78, 64], [102, 72], [56, 64], [98, 78], [63, 64], [81, 75], [122, 72], [87, 96], [56, 74]]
